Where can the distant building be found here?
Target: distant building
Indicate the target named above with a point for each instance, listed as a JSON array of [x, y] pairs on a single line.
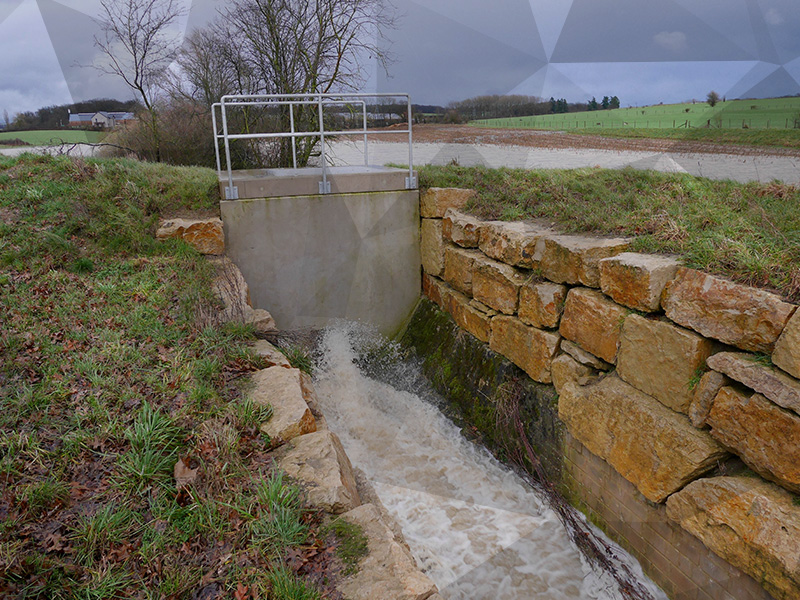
[[101, 120]]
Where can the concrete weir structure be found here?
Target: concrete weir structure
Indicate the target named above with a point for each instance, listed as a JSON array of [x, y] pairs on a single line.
[[312, 258]]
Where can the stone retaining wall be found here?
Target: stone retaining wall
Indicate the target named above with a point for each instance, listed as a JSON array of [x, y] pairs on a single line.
[[679, 391]]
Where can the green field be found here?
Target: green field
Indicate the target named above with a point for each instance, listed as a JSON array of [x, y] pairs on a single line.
[[772, 113], [53, 137]]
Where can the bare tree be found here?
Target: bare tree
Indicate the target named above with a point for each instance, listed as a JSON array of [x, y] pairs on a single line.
[[210, 67], [286, 47], [712, 98], [139, 43]]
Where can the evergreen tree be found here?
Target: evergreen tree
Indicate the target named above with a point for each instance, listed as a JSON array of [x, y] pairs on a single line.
[[592, 104], [614, 102], [606, 102]]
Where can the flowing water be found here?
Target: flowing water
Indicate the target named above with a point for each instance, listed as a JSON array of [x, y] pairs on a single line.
[[476, 529]]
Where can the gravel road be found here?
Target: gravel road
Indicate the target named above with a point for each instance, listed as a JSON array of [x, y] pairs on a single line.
[[440, 144]]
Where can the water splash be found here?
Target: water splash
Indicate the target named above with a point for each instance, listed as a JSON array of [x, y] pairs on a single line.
[[473, 525]]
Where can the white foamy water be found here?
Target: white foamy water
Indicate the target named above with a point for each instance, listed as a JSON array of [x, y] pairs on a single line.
[[473, 526]]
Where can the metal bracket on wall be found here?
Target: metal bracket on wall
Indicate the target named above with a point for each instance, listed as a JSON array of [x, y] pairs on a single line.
[[231, 193], [411, 183], [324, 187]]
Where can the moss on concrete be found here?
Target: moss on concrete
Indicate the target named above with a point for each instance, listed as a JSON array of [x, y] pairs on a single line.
[[470, 377]]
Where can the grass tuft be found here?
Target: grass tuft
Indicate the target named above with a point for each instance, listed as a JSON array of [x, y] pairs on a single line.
[[286, 586], [352, 546]]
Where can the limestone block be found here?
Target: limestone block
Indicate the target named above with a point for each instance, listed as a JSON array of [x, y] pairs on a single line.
[[707, 389], [772, 383], [434, 202], [593, 322], [576, 259], [661, 359], [637, 280], [739, 315], [653, 447], [513, 243], [470, 315], [531, 349], [584, 357], [310, 396], [388, 570], [541, 304], [319, 463], [787, 349], [461, 229], [566, 369], [433, 289], [458, 266], [432, 247], [273, 356], [260, 319], [204, 235], [750, 523], [763, 434], [282, 389], [231, 288], [497, 285]]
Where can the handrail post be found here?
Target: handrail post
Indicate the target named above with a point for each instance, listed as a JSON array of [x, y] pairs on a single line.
[[411, 182], [231, 192], [324, 186], [294, 141], [366, 148], [216, 135]]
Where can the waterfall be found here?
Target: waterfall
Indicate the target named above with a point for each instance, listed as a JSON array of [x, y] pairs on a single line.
[[475, 527]]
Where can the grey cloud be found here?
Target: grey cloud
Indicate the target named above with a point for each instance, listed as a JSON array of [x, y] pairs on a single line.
[[72, 34], [623, 31], [440, 60], [674, 41]]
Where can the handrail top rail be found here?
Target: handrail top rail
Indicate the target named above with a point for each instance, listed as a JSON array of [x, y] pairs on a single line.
[[315, 95]]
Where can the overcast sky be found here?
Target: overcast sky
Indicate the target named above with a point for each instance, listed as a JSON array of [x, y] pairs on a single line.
[[644, 51]]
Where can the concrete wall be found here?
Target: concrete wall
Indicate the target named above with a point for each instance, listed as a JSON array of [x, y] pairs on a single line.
[[312, 259]]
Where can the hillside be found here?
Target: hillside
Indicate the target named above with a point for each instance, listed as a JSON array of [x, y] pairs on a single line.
[[773, 113], [114, 371]]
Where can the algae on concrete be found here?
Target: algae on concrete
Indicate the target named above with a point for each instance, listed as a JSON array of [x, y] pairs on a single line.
[[472, 378]]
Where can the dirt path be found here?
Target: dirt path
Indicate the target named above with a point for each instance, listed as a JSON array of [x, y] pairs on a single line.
[[464, 134]]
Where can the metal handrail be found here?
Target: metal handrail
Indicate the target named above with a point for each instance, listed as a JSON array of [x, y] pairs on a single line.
[[292, 100]]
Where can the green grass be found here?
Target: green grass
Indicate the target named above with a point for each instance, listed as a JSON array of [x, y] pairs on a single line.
[[111, 372], [53, 137], [747, 232], [353, 544], [777, 121]]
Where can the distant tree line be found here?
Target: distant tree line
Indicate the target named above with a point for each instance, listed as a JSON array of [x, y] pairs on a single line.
[[605, 104], [499, 106], [57, 116]]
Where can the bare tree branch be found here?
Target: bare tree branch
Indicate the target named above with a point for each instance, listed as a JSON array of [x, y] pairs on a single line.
[[139, 43]]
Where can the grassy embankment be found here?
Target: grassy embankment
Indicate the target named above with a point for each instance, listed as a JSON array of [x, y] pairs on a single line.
[[51, 138], [747, 232], [112, 369], [768, 122]]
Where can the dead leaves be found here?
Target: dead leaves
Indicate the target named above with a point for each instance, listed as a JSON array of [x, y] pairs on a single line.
[[184, 475]]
